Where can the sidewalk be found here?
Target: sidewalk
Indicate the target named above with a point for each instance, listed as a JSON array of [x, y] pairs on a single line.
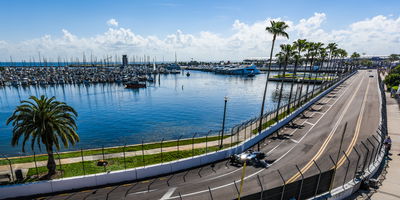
[[390, 188]]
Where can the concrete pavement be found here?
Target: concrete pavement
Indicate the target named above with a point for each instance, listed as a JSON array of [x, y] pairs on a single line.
[[390, 188]]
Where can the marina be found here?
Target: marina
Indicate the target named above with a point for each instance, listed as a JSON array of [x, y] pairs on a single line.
[[171, 106]]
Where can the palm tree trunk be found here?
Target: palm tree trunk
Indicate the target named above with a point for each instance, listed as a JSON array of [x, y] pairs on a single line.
[[266, 84], [280, 91], [291, 87], [51, 163], [309, 76], [302, 82]]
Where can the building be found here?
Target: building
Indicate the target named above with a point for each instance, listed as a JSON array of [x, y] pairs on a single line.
[[124, 60]]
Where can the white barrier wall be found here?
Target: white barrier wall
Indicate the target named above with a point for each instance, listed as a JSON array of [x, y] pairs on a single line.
[[65, 184]]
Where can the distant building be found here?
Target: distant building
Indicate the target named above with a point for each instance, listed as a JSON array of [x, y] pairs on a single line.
[[124, 60]]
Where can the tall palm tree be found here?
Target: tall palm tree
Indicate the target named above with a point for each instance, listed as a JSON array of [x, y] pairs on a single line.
[[298, 45], [332, 47], [316, 53], [311, 53], [342, 54], [355, 56], [308, 48], [287, 51], [44, 121], [276, 29]]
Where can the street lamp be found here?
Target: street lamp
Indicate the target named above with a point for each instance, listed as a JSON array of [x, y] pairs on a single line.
[[223, 122]]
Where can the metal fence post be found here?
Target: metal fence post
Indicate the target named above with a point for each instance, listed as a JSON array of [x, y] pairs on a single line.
[[319, 178], [11, 169], [284, 184], [34, 159], [379, 147], [373, 151], [358, 161], [210, 193], [301, 183], [366, 157], [261, 186], [124, 156], [237, 189], [194, 135], [161, 153], [83, 164], [334, 174], [102, 152], [179, 155], [207, 142], [143, 160], [347, 170], [59, 161]]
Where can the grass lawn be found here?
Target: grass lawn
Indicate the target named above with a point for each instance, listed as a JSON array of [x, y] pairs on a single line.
[[76, 169], [137, 147]]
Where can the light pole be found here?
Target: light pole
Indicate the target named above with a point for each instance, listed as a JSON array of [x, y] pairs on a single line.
[[223, 122]]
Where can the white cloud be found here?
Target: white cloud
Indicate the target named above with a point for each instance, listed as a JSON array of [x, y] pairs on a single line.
[[112, 22], [376, 35]]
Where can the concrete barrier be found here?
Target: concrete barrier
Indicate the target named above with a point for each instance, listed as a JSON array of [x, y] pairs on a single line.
[[65, 184]]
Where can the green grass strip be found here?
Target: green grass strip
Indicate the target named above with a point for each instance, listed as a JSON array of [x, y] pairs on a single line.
[[137, 147], [76, 169]]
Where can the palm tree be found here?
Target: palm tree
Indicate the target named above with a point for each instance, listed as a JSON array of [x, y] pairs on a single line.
[[276, 29], [355, 56], [342, 54], [317, 47], [332, 47], [308, 48], [45, 121], [322, 55], [298, 45], [287, 52]]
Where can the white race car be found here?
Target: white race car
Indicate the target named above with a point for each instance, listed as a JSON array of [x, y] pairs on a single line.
[[249, 157]]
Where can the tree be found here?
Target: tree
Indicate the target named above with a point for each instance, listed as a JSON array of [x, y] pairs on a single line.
[[300, 45], [44, 121], [287, 52], [276, 29], [332, 47]]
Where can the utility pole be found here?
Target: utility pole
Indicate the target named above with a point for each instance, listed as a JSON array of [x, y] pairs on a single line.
[[223, 122]]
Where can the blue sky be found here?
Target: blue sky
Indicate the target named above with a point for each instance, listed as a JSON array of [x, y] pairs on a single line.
[[29, 20]]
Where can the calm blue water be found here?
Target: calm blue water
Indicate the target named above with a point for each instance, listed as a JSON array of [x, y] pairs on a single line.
[[174, 105]]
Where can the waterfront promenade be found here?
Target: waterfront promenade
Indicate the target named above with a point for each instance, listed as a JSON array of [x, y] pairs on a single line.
[[390, 186]]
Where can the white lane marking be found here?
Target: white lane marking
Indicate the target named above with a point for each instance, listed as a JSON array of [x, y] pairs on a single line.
[[168, 194], [310, 123], [142, 192], [312, 126], [223, 175], [295, 141], [228, 184]]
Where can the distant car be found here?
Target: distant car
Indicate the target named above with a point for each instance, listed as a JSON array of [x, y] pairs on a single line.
[[371, 75], [369, 70], [250, 158]]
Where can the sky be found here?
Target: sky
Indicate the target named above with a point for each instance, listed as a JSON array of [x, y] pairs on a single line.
[[206, 30]]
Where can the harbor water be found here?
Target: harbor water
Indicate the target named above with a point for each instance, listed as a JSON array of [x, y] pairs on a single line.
[[173, 105]]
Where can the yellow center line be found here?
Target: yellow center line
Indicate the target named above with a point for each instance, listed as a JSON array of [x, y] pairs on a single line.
[[326, 142], [357, 131]]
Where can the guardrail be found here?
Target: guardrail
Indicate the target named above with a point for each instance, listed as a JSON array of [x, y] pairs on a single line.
[[65, 184]]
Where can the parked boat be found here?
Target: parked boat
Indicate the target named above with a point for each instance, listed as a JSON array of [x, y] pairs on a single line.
[[135, 84]]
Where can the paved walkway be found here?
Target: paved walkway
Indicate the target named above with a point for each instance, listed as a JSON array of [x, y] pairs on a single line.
[[390, 188]]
